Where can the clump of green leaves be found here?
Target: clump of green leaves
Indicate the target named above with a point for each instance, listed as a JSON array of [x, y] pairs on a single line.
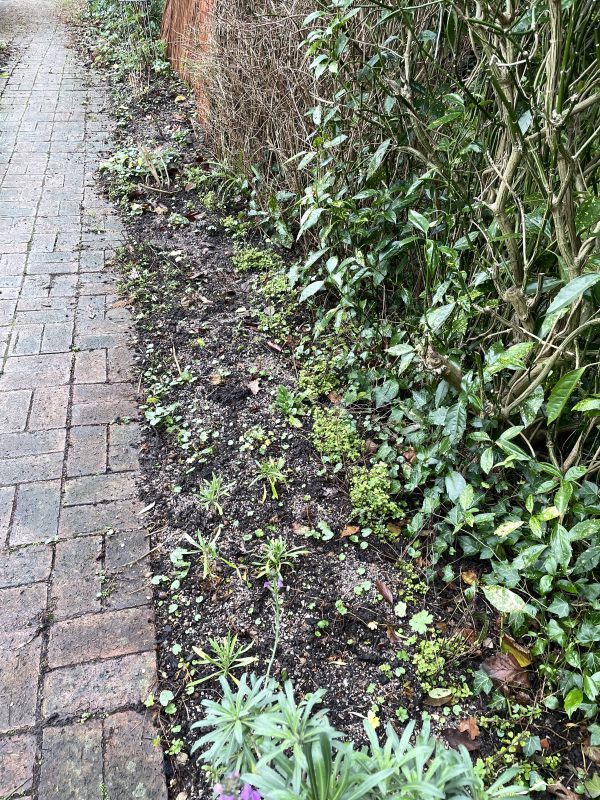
[[334, 435], [371, 493], [247, 259], [303, 756]]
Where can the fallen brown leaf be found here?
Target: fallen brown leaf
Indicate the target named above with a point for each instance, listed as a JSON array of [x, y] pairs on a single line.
[[469, 576], [410, 455], [384, 591], [370, 446], [506, 672], [592, 752], [456, 738], [335, 398], [561, 791], [253, 386], [469, 726], [349, 530], [391, 634], [119, 304], [299, 528], [216, 379], [521, 653], [274, 346], [160, 210]]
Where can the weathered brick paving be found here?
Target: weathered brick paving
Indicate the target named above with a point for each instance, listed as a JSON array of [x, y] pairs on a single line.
[[76, 630]]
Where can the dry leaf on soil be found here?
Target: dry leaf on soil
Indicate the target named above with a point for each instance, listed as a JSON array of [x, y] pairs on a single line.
[[469, 576], [562, 792], [384, 591], [469, 726], [506, 672], [455, 738], [253, 386], [349, 530]]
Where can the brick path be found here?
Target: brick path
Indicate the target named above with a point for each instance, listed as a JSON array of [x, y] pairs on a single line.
[[76, 629]]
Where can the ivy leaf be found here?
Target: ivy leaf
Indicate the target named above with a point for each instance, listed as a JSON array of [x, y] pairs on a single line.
[[573, 700], [561, 393], [385, 393], [503, 599], [563, 496]]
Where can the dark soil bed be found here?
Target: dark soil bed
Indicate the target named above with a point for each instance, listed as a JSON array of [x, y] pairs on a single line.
[[198, 341]]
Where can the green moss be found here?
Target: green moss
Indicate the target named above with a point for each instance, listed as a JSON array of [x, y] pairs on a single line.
[[334, 435], [317, 378], [210, 201], [246, 259], [237, 226], [370, 493]]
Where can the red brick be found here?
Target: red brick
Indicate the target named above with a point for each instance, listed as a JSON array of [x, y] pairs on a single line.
[[90, 366], [19, 669], [127, 568], [20, 606], [49, 408], [99, 488], [100, 685], [31, 468], [36, 513], [27, 372], [26, 565], [7, 498], [123, 447], [78, 520], [133, 766], [17, 756], [14, 408], [72, 762], [87, 450], [105, 635], [76, 584]]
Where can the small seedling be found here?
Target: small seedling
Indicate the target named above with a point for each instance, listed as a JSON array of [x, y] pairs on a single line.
[[271, 473], [275, 555], [211, 493], [225, 656]]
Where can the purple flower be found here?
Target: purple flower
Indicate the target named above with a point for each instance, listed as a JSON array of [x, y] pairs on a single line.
[[248, 793], [271, 584]]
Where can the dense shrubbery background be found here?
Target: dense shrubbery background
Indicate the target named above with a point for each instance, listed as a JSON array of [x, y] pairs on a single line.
[[449, 202]]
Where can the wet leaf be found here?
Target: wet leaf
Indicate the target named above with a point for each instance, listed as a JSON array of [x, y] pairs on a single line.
[[410, 455], [506, 672], [456, 738], [385, 592], [503, 599], [561, 791], [521, 653], [438, 697]]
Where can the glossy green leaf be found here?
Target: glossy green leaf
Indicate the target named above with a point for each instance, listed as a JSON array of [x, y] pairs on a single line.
[[561, 393]]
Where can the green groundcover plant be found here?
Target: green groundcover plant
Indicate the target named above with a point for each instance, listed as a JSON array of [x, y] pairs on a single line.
[[269, 745]]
